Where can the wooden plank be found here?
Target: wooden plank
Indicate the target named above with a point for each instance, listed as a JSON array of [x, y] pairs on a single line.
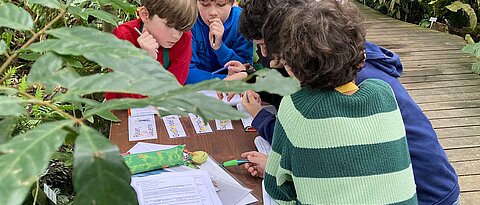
[[467, 154], [455, 122], [453, 132], [454, 113], [460, 142], [448, 97], [436, 78], [431, 53], [469, 198], [440, 91], [439, 57], [469, 183], [449, 105], [467, 168], [441, 84], [460, 69]]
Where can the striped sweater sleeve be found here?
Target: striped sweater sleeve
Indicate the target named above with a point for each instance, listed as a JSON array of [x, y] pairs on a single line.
[[278, 178]]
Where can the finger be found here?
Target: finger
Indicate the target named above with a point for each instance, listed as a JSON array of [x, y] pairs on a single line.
[[230, 96], [220, 95], [251, 169], [245, 154], [254, 173]]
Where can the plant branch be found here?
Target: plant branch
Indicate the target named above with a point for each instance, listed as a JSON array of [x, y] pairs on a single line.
[[36, 194], [30, 41], [53, 107]]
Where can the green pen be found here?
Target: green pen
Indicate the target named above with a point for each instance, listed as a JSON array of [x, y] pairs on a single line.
[[235, 162]]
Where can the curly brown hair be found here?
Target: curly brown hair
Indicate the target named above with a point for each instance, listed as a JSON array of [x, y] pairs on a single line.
[[253, 17], [323, 43]]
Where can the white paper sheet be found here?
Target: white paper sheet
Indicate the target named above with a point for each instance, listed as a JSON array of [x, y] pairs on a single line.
[[246, 122], [223, 124], [150, 110], [174, 126], [199, 125], [262, 145], [141, 128], [267, 199], [189, 188], [234, 101]]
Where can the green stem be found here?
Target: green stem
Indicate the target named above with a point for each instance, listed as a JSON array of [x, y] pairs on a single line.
[[36, 194], [30, 41]]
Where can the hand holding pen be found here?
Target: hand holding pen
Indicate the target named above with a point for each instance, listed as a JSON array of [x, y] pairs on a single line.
[[216, 32], [148, 43], [257, 163]]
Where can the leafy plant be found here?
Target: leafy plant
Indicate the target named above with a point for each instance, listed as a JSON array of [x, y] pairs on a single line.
[[458, 5], [100, 175], [474, 49]]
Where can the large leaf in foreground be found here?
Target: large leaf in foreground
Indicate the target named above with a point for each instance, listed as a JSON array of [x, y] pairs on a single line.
[[100, 175], [15, 17], [6, 126], [11, 106], [3, 47], [25, 157]]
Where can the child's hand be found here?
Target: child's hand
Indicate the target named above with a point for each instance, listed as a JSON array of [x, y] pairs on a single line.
[[216, 29], [258, 163], [148, 43], [252, 102], [236, 76], [235, 67], [275, 63]]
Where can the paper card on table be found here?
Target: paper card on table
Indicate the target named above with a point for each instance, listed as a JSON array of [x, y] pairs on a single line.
[[150, 110], [218, 173], [262, 145], [199, 125], [212, 93], [141, 128], [190, 187], [174, 126], [224, 124], [246, 122]]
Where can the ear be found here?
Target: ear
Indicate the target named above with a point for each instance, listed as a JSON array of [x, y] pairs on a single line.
[[143, 14]]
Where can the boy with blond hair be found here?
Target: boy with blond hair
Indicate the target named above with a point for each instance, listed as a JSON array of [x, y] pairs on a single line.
[[216, 40], [165, 34]]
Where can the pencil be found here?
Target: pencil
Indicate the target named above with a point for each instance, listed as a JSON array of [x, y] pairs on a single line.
[[213, 41], [140, 33], [220, 70]]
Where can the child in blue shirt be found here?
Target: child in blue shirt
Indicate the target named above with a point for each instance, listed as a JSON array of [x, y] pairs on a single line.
[[216, 40]]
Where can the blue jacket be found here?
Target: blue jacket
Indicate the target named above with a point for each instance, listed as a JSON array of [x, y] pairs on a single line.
[[205, 60], [436, 180]]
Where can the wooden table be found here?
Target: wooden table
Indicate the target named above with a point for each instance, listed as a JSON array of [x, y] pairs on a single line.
[[222, 145]]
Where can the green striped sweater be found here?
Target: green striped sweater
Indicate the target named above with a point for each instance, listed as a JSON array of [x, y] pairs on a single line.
[[331, 148]]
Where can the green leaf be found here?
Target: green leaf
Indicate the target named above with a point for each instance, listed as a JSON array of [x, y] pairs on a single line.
[[15, 17], [100, 176], [107, 17], [476, 67], [48, 70], [108, 116], [11, 106], [6, 126], [455, 6], [29, 56], [473, 49], [78, 11], [47, 3], [23, 85], [119, 4], [3, 47], [132, 66], [25, 157]]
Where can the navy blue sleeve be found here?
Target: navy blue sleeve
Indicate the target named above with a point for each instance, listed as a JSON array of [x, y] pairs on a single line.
[[264, 123]]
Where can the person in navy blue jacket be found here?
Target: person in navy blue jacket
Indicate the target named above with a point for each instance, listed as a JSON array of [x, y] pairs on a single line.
[[435, 178], [216, 40]]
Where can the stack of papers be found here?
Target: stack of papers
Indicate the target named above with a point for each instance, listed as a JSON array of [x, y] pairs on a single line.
[[246, 122], [212, 93], [229, 190]]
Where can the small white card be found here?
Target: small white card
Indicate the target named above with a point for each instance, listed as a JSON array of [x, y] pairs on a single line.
[[150, 110], [199, 125], [141, 128], [224, 124], [50, 193], [174, 126]]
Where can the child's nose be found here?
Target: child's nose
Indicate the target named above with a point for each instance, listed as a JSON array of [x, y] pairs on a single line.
[[213, 13]]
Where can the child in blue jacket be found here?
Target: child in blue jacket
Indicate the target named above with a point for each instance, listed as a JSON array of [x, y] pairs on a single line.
[[216, 40]]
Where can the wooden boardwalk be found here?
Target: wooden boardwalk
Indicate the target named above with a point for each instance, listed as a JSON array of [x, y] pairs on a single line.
[[438, 77]]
